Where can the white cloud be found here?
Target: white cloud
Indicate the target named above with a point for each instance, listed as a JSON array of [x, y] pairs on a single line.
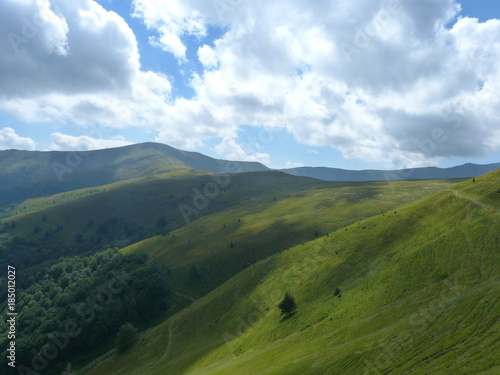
[[291, 164], [171, 20], [10, 140], [64, 142], [406, 76], [285, 64], [64, 48], [230, 149], [207, 57]]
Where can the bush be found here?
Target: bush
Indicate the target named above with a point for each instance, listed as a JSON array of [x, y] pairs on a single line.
[[126, 338], [287, 305]]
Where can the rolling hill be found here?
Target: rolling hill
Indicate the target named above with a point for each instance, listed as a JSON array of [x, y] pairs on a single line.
[[335, 174], [411, 291], [360, 258], [29, 174], [262, 212], [33, 174]]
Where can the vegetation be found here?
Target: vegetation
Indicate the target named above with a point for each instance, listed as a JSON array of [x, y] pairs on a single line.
[[260, 227], [419, 288], [80, 302], [126, 338], [287, 305], [393, 277]]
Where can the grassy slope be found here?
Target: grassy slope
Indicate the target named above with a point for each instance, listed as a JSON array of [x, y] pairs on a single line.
[[144, 200], [271, 222], [50, 202], [419, 294], [27, 174]]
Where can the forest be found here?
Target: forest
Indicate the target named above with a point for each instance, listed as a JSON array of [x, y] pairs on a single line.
[[79, 303]]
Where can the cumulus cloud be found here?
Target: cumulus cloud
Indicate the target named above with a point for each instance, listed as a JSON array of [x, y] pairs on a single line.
[[75, 62], [64, 142], [10, 140], [397, 81], [171, 20], [207, 57], [64, 48], [292, 164], [230, 149]]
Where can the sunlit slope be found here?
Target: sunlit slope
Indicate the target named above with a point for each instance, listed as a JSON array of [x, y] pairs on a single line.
[[145, 200], [30, 174], [52, 201], [228, 241], [418, 293]]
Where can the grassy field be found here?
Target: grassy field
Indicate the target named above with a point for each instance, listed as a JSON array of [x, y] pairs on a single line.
[[410, 291], [270, 222], [144, 201]]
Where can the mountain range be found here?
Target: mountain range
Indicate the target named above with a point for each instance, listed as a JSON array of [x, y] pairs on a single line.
[[26, 174], [164, 261]]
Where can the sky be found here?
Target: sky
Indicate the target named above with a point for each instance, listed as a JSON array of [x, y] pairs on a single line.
[[356, 84]]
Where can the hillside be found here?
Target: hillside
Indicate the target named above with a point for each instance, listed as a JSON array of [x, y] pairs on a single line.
[[83, 222], [29, 174], [427, 173], [218, 245], [410, 291], [262, 212], [57, 242]]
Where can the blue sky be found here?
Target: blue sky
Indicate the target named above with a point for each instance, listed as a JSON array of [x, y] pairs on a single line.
[[354, 84]]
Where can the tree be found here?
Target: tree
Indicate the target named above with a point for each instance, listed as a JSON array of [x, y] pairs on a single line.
[[126, 338], [287, 305]]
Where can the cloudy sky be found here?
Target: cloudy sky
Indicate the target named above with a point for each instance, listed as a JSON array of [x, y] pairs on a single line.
[[342, 83]]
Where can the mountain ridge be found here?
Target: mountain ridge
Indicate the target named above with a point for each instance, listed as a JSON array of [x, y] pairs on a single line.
[[28, 174], [467, 170]]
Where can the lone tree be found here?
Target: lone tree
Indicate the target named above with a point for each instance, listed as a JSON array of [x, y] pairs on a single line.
[[126, 337], [287, 305]]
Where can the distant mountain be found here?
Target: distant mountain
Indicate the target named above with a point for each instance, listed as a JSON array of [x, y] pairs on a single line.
[[27, 174], [428, 173]]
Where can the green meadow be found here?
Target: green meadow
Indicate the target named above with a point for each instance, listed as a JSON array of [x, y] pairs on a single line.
[[408, 291]]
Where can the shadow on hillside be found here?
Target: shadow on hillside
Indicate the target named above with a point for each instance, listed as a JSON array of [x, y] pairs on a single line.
[[286, 317]]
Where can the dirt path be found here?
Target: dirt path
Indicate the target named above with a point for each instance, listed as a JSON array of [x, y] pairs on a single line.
[[484, 206], [171, 329]]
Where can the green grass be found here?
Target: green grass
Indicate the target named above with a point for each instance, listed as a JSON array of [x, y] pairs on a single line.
[[37, 204], [27, 174], [269, 223], [419, 295], [144, 201]]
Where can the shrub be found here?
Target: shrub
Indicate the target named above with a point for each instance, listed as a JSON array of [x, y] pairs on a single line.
[[287, 305], [126, 338]]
